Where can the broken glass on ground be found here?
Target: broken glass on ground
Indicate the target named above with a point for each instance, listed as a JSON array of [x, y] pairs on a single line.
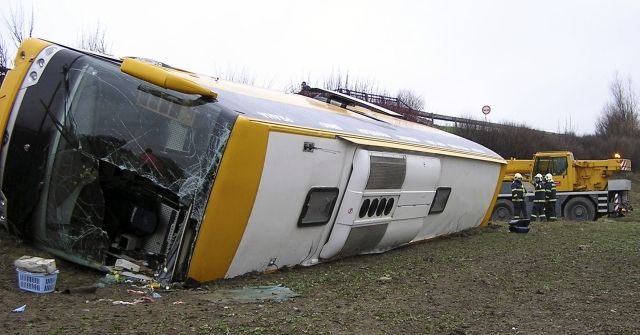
[[251, 294]]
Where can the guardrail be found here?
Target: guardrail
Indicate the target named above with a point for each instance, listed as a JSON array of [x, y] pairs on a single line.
[[408, 113]]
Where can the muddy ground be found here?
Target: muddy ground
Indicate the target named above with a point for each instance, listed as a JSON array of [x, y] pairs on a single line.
[[561, 278]]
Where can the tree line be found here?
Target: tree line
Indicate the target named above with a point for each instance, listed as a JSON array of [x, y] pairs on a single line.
[[20, 25]]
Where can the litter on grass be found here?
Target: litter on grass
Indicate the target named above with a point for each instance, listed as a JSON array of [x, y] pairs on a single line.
[[20, 309]]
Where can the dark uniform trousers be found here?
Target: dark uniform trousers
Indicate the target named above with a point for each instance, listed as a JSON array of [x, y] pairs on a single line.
[[517, 197], [550, 204], [538, 211]]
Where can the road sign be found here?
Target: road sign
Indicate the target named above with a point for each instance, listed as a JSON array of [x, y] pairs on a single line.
[[486, 109]]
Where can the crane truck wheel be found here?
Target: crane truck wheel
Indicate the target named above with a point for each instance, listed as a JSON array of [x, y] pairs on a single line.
[[580, 209], [502, 211]]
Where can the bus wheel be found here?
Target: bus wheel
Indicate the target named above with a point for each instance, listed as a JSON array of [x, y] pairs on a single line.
[[502, 211], [580, 209]]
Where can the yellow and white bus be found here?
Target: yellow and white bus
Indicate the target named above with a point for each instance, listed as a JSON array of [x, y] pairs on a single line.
[[199, 178]]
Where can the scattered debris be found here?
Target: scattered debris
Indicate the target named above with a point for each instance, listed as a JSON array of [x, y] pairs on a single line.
[[120, 302], [110, 279], [135, 292], [136, 276], [126, 265], [20, 309], [135, 302]]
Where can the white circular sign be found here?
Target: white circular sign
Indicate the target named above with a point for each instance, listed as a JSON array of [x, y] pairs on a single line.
[[486, 110]]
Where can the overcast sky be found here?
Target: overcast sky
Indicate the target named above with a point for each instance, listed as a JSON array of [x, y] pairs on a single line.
[[544, 63]]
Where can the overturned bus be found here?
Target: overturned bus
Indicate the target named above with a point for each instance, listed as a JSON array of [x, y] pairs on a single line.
[[199, 178]]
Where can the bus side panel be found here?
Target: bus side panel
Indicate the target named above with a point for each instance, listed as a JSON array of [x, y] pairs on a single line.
[[499, 185], [471, 196], [231, 201], [274, 233]]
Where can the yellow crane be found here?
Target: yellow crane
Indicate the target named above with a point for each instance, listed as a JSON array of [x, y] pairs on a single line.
[[586, 189]]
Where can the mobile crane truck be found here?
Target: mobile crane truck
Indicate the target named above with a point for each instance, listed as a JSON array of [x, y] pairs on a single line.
[[585, 188]]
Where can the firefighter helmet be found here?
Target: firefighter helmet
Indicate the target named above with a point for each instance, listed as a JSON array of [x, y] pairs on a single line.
[[517, 176], [538, 177], [548, 177]]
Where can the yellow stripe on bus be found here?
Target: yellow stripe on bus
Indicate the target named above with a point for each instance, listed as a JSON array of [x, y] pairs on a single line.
[[487, 215], [231, 201]]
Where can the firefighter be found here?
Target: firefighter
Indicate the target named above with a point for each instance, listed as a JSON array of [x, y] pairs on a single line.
[[517, 197], [539, 199], [550, 197]]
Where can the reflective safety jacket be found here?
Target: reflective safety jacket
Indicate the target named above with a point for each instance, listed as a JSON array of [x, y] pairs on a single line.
[[550, 191], [517, 191], [540, 192]]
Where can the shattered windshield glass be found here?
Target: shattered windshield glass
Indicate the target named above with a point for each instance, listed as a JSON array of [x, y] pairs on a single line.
[[132, 124], [130, 161]]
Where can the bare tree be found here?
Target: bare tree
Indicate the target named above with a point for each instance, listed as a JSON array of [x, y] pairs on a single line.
[[19, 26], [4, 55], [295, 85], [4, 61], [242, 76], [620, 115], [411, 99], [618, 127], [95, 41], [338, 80]]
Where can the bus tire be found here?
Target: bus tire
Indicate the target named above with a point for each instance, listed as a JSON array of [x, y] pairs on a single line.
[[580, 209], [502, 211]]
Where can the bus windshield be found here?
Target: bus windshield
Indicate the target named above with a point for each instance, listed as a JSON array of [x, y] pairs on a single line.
[[121, 158]]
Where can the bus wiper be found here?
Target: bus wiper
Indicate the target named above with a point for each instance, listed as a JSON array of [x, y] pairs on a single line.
[[65, 71], [68, 136]]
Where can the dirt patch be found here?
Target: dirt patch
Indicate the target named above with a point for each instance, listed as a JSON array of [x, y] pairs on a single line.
[[561, 278]]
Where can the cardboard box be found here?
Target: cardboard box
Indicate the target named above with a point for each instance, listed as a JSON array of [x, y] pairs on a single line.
[[35, 264]]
